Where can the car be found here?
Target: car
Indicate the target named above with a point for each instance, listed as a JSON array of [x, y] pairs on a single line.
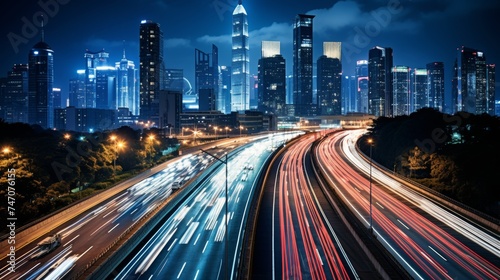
[[244, 176]]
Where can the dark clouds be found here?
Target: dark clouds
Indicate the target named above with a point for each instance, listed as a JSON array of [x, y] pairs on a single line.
[[420, 31]]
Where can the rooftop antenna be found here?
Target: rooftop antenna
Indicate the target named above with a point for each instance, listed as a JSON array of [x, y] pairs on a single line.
[[43, 35], [123, 49]]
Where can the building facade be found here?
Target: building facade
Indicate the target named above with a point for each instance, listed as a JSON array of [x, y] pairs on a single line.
[[93, 60], [207, 78], [435, 85], [15, 98], [150, 68], [127, 85], [401, 90], [380, 63], [362, 86], [272, 79], [329, 80], [419, 89], [469, 84], [303, 65], [40, 84], [240, 67]]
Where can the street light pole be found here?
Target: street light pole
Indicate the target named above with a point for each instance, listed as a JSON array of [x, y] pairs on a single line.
[[370, 141], [226, 216]]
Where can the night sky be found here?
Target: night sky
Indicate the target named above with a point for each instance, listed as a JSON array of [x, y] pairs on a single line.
[[419, 31]]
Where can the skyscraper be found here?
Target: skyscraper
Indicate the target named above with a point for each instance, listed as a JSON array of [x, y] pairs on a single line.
[[93, 60], [329, 80], [77, 90], [490, 71], [224, 100], [469, 81], [272, 79], [362, 85], [401, 90], [418, 93], [150, 67], [380, 81], [206, 78], [435, 85], [106, 87], [40, 84], [240, 78], [16, 96], [303, 65], [127, 85]]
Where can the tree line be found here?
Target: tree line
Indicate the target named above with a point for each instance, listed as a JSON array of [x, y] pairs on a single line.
[[456, 155], [56, 168]]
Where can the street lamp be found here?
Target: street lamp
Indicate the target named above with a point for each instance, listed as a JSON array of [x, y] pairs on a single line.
[[151, 139], [370, 142], [7, 151], [227, 128], [118, 144], [226, 216], [241, 127], [215, 129]]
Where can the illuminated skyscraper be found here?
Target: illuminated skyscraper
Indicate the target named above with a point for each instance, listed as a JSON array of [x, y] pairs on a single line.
[[40, 84], [380, 82], [401, 90], [92, 61], [362, 86], [435, 85], [224, 100], [106, 87], [206, 78], [240, 78], [127, 85], [303, 65], [15, 106], [419, 93], [271, 79], [469, 91], [150, 68], [490, 71], [329, 80]]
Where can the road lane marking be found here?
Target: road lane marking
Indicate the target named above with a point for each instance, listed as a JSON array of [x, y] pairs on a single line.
[[180, 272], [403, 224], [113, 228], [438, 253], [204, 247], [71, 240]]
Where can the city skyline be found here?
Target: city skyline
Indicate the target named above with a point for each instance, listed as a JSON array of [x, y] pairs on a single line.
[[413, 29]]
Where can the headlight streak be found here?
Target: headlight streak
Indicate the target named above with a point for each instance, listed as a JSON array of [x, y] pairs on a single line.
[[442, 244]]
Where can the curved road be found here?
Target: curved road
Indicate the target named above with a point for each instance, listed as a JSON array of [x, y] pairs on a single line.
[[191, 244], [298, 234], [429, 241]]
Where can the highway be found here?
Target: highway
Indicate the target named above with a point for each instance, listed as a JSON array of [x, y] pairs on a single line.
[[192, 243], [297, 237], [429, 241], [85, 236]]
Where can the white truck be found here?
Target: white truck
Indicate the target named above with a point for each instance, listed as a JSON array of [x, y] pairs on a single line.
[[47, 245]]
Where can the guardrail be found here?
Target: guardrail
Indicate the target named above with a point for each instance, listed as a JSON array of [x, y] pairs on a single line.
[[135, 236], [245, 264], [471, 213], [375, 252], [112, 256]]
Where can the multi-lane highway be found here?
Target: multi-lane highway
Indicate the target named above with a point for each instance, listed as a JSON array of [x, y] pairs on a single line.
[[85, 236], [192, 243], [297, 232], [429, 241]]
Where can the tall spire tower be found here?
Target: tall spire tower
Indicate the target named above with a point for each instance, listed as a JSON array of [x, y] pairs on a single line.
[[240, 78]]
